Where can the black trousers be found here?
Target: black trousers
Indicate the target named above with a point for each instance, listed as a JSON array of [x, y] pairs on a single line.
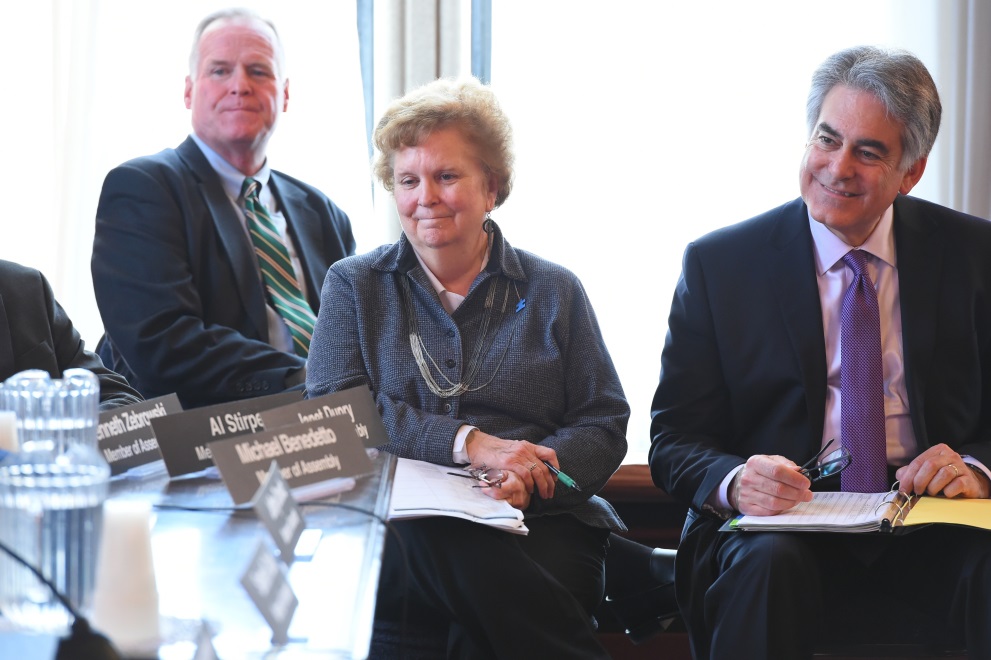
[[775, 595], [500, 595]]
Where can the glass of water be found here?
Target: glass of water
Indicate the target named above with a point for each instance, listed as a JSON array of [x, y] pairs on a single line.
[[52, 489]]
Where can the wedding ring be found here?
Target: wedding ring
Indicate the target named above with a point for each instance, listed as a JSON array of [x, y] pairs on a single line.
[[956, 472], [532, 465]]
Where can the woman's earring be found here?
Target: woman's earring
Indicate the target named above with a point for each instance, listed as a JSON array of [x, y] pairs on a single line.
[[488, 226]]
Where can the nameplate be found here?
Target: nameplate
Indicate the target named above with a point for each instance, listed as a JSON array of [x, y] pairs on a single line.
[[204, 643], [267, 582], [279, 512], [125, 435], [183, 438], [324, 452], [356, 405]]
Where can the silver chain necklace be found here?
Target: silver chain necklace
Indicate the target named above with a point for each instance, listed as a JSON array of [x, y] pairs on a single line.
[[474, 364]]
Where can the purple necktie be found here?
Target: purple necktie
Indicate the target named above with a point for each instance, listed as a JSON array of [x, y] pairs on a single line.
[[862, 383]]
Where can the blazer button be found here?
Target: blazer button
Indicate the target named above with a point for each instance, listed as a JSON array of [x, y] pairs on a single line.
[[451, 362], [450, 332], [447, 407]]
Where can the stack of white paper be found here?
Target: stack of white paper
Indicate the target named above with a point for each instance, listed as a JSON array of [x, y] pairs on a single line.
[[422, 489]]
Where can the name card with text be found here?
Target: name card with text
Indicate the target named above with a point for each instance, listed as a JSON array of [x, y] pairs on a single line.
[[355, 405], [323, 452], [125, 435], [183, 438], [267, 582], [279, 512]]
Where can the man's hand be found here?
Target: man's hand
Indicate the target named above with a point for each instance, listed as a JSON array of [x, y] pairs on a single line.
[[940, 470], [768, 485]]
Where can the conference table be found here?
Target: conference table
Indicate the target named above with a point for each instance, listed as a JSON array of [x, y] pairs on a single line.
[[202, 546]]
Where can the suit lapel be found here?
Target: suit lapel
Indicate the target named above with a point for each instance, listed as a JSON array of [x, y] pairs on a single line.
[[919, 247], [792, 278], [232, 235], [7, 365], [303, 225]]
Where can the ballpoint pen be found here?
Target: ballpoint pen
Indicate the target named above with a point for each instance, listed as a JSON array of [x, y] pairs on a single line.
[[562, 477]]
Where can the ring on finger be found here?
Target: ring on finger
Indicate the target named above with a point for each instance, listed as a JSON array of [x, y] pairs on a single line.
[[956, 472], [532, 465]]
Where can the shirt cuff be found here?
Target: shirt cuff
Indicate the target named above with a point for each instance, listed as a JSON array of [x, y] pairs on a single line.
[[720, 498], [973, 462], [460, 454]]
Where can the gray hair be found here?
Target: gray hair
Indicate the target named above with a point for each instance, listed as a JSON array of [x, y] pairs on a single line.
[[235, 15], [898, 79]]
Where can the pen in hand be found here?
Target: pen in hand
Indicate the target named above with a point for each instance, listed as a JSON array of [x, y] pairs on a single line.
[[562, 477]]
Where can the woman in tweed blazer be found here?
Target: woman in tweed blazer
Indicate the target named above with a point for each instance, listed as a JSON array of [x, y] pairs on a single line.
[[479, 353]]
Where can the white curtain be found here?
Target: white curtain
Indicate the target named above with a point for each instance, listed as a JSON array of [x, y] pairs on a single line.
[[97, 82], [962, 31], [416, 41]]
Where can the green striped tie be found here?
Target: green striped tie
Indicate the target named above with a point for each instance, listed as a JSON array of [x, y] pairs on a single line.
[[277, 270]]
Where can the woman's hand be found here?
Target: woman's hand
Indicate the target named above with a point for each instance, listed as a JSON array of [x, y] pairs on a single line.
[[513, 490], [521, 458]]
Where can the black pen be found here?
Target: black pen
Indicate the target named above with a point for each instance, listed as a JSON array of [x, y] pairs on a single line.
[[562, 477]]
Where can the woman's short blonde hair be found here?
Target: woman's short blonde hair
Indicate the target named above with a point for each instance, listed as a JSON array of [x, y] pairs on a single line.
[[465, 104]]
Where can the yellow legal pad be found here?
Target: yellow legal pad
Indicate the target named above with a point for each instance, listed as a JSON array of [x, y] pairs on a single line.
[[975, 513]]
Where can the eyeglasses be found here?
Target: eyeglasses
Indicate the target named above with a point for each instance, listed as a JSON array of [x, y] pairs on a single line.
[[485, 476], [819, 466]]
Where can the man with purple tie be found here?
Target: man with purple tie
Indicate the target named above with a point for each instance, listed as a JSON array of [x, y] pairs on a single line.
[[853, 313]]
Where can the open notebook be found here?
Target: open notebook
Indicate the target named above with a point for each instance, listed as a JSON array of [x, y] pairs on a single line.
[[869, 512], [422, 489]]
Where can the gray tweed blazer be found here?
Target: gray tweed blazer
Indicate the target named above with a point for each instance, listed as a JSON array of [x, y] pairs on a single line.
[[545, 375]]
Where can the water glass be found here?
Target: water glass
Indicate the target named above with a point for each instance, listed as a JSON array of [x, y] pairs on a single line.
[[52, 491]]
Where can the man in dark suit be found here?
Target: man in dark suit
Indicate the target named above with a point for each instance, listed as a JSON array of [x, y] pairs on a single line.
[[752, 377], [36, 333], [186, 300]]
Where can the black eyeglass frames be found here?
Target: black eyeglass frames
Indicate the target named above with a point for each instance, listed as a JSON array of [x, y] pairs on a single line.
[[819, 466]]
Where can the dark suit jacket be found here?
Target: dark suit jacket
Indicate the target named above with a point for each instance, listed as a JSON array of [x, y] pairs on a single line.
[[35, 333], [743, 370], [177, 280]]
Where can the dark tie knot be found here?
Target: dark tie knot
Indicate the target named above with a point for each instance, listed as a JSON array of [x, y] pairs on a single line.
[[250, 188], [856, 260]]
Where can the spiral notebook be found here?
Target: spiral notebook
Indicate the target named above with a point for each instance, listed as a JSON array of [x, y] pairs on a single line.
[[869, 512]]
